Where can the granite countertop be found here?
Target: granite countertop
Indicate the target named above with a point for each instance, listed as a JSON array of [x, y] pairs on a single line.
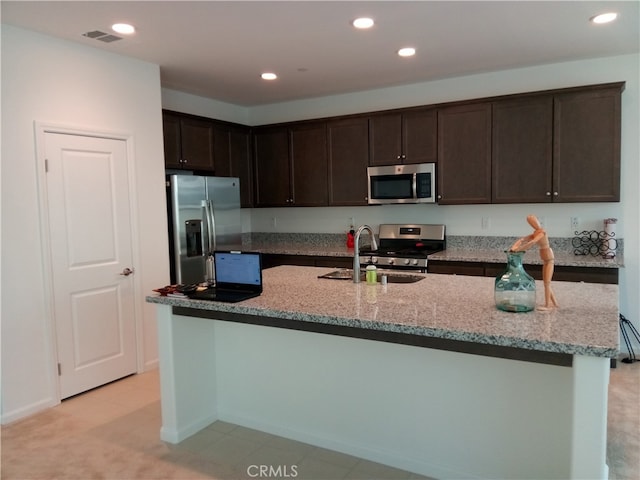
[[440, 306], [530, 258], [299, 248], [459, 249]]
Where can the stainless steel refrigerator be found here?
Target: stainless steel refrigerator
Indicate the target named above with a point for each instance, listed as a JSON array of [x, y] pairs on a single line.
[[204, 215]]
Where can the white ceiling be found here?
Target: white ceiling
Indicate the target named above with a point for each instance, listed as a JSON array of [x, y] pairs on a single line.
[[218, 49]]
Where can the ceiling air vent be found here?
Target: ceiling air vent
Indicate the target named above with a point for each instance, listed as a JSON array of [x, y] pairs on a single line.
[[102, 36]]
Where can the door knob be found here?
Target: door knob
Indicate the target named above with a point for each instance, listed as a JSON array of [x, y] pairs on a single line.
[[127, 271]]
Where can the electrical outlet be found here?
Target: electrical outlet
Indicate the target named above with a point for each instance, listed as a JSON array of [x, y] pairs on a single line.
[[486, 223], [575, 224], [273, 222], [352, 222]]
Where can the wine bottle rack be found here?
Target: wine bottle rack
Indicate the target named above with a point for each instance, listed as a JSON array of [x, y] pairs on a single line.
[[596, 243]]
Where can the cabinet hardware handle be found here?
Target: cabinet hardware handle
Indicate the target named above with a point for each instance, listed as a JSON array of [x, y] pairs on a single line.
[[548, 194], [555, 194]]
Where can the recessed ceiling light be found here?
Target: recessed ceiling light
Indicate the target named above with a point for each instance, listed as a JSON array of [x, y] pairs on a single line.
[[269, 76], [363, 22], [123, 28], [407, 52], [604, 17]]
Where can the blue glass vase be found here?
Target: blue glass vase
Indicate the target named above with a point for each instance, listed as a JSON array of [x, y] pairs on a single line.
[[515, 289]]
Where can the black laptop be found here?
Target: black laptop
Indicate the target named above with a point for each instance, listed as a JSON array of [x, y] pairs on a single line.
[[238, 277]]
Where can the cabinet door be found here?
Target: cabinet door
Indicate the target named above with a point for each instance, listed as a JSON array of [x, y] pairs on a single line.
[[420, 136], [586, 151], [271, 148], [232, 149], [221, 155], [385, 139], [456, 268], [464, 154], [197, 144], [308, 149], [348, 160], [522, 153], [171, 135], [240, 162]]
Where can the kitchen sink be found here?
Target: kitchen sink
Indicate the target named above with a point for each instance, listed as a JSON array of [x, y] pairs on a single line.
[[347, 274]]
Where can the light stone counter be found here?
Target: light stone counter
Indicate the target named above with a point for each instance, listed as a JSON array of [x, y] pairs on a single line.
[[450, 307], [563, 259], [294, 248], [413, 398], [459, 249]]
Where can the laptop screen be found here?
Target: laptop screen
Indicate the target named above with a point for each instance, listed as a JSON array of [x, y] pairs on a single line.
[[238, 270]]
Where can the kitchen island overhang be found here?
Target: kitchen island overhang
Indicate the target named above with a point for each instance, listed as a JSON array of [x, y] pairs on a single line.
[[412, 392]]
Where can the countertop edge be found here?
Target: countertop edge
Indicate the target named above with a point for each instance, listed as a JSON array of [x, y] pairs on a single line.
[[444, 334]]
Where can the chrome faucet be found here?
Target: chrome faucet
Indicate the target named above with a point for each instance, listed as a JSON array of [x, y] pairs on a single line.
[[356, 252]]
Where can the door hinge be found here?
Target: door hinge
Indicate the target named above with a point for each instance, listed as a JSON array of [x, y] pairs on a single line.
[[46, 165], [59, 370]]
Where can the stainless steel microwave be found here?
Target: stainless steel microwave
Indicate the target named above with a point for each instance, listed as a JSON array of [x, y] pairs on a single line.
[[402, 184]]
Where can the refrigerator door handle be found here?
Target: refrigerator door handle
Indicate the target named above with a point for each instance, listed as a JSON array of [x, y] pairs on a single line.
[[206, 232], [212, 227]]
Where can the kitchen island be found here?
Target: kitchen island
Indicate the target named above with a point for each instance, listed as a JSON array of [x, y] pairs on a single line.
[[429, 377]]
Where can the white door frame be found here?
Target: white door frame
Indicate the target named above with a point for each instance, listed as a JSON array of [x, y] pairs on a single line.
[[42, 128]]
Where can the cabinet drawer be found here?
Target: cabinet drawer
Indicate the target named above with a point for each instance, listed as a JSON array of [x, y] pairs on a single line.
[[456, 268]]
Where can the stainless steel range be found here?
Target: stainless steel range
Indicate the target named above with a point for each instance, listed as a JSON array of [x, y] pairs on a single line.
[[405, 246]]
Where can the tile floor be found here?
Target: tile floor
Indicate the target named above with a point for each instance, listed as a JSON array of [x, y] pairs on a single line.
[[113, 433]]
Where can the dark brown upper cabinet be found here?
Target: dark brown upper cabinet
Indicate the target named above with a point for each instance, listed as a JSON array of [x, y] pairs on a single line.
[[348, 145], [271, 159], [403, 137], [558, 147], [291, 165], [188, 142], [464, 154], [308, 152], [522, 150], [586, 146], [554, 146], [232, 151]]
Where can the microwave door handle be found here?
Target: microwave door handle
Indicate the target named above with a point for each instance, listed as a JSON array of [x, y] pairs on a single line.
[[415, 186]]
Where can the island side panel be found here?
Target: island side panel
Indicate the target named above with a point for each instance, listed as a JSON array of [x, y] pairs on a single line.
[[590, 400], [437, 413], [187, 374]]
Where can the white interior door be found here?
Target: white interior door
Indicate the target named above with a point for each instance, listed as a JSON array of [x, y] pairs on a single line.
[[91, 252]]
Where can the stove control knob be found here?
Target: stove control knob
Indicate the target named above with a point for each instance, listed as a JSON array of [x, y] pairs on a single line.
[[406, 261], [374, 259], [414, 261], [391, 261]]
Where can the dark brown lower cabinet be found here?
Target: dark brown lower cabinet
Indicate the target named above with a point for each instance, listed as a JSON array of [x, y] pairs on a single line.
[[561, 273], [273, 260]]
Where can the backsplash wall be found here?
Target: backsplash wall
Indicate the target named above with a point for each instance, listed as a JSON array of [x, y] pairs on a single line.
[[481, 220]]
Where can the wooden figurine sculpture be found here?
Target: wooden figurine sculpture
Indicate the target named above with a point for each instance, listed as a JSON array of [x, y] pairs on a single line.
[[539, 237]]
